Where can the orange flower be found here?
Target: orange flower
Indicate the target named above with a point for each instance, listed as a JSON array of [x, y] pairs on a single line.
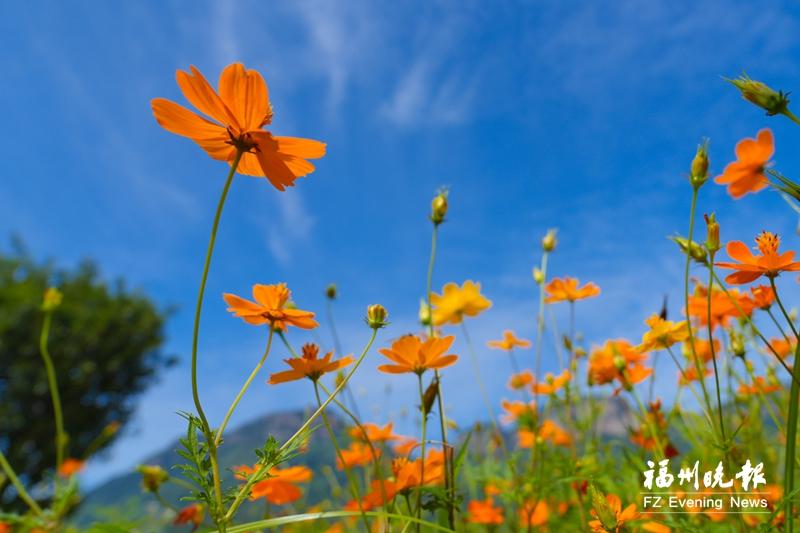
[[722, 308], [702, 348], [521, 380], [281, 487], [783, 347], [457, 302], [517, 409], [406, 446], [374, 433], [690, 374], [567, 290], [309, 366], [620, 515], [768, 263], [644, 437], [763, 296], [191, 514], [239, 112], [407, 475], [5, 528], [759, 385], [358, 454], [746, 174], [534, 514], [655, 527], [484, 512], [71, 467], [270, 307], [412, 355], [552, 384], [617, 360], [549, 431], [663, 334], [509, 342]]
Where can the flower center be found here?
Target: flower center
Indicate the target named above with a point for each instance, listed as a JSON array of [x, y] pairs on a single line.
[[768, 243]]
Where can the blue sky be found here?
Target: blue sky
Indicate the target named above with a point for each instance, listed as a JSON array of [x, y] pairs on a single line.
[[578, 115]]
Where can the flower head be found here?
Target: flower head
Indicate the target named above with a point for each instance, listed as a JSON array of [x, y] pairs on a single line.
[[518, 411], [551, 383], [763, 296], [769, 262], [609, 514], [308, 365], [484, 512], [71, 467], [618, 360], [521, 380], [153, 476], [509, 342], [663, 334], [457, 302], [746, 174], [410, 354], [234, 120], [270, 307], [567, 290], [52, 299], [760, 94], [191, 514], [759, 385], [534, 514], [724, 306], [374, 433], [281, 487], [358, 454]]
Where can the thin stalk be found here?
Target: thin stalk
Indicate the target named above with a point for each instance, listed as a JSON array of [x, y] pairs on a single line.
[[347, 472], [212, 449], [778, 324], [422, 447], [479, 379], [791, 425], [711, 345], [245, 489], [21, 492], [240, 395], [52, 384], [648, 422], [338, 346]]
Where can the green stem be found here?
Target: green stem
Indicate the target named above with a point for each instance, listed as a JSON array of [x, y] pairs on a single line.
[[338, 346], [778, 325], [711, 345], [347, 472], [253, 374], [196, 335], [791, 116], [540, 317], [424, 414], [245, 490], [791, 425], [61, 438], [21, 492], [487, 402], [649, 423]]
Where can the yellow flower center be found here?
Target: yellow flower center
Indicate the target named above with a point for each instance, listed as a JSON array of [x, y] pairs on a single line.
[[768, 243]]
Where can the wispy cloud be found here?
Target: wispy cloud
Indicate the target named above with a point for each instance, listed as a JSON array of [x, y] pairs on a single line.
[[293, 226]]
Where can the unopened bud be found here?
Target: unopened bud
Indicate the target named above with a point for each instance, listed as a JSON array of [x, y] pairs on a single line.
[[619, 362], [429, 396], [153, 476], [772, 101], [376, 316], [549, 241], [697, 252], [606, 515], [339, 378], [52, 299], [699, 170], [331, 292], [424, 313], [439, 207], [737, 344], [712, 240], [538, 276]]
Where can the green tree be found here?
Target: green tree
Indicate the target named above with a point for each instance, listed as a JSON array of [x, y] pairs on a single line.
[[106, 347]]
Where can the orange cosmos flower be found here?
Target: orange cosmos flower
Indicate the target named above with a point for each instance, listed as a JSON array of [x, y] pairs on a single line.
[[412, 355], [270, 307], [690, 374], [763, 296], [552, 384], [484, 512], [521, 380], [663, 334], [549, 431], [71, 467], [358, 454], [759, 385], [655, 419], [517, 410], [746, 174], [722, 308], [5, 528], [655, 527], [783, 347], [239, 112], [457, 302], [407, 475], [191, 514], [406, 446], [702, 348], [617, 360], [620, 516], [281, 487], [374, 433], [768, 263], [534, 514], [567, 290], [509, 342], [309, 366]]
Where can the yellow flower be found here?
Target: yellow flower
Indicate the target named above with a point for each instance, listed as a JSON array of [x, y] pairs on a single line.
[[663, 334], [456, 302]]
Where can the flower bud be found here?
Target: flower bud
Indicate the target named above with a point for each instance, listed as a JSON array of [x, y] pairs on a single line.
[[376, 316], [606, 515], [712, 240], [699, 171], [737, 344], [538, 276], [619, 362], [52, 299], [549, 241], [424, 313], [153, 476], [429, 396], [330, 291], [111, 429], [697, 252], [339, 378], [439, 207], [773, 102]]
